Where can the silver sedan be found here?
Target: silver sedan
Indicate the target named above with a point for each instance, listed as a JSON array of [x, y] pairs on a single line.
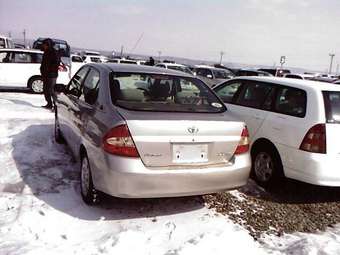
[[142, 132]]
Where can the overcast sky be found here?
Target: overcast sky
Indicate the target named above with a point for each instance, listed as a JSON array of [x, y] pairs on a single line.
[[249, 31]]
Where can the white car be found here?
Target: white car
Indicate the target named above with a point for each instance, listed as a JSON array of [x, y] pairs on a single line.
[[6, 42], [76, 63], [299, 76], [294, 127], [21, 68], [174, 66], [212, 75]]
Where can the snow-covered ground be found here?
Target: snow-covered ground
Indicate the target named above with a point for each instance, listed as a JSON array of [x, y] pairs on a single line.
[[41, 211]]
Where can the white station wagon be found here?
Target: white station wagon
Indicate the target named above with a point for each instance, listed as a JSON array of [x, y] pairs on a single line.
[[294, 127], [20, 68]]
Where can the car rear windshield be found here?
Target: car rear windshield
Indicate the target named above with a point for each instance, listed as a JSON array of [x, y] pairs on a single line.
[[332, 106], [221, 74], [158, 92]]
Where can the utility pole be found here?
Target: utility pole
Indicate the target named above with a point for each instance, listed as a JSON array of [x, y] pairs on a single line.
[[337, 69], [24, 33], [332, 55], [159, 55], [9, 34], [121, 51], [221, 57]]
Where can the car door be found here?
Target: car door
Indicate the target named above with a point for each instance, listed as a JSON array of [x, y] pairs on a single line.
[[87, 106], [4, 65], [68, 108], [22, 69], [286, 125], [251, 103]]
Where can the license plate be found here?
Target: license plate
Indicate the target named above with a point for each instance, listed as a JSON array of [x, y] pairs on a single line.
[[189, 153]]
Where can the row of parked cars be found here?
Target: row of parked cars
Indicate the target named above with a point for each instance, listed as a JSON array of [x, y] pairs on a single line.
[[142, 131]]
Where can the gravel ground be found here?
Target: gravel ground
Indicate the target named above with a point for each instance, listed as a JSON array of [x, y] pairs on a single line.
[[292, 206]]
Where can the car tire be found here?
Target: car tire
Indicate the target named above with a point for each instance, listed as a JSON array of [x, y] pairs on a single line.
[[35, 84], [267, 169], [88, 192], [58, 136]]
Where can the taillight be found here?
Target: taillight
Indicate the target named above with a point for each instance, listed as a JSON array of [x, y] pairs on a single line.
[[243, 145], [315, 139], [62, 68], [118, 141]]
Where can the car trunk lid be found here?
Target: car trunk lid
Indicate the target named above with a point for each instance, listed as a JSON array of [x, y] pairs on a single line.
[[166, 139]]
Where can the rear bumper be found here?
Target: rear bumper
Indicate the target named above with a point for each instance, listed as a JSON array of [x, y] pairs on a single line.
[[314, 168], [129, 178]]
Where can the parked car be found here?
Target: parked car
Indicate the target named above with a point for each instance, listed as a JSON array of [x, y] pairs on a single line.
[[6, 42], [139, 131], [275, 71], [76, 63], [212, 75], [21, 68], [175, 66], [299, 76], [93, 57], [123, 61], [251, 72], [294, 127]]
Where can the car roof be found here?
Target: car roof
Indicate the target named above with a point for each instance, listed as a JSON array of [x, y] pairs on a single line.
[[128, 68], [301, 84], [23, 50], [210, 67], [172, 64], [40, 39]]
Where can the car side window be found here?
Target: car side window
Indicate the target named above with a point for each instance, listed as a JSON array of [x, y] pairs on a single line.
[[291, 101], [36, 58], [22, 57], [90, 88], [227, 92], [4, 57], [74, 87], [254, 94]]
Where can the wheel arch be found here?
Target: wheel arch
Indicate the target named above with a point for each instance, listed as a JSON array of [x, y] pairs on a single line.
[[263, 142], [32, 78]]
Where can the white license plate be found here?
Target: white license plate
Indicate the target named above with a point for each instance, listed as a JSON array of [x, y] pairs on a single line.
[[189, 153]]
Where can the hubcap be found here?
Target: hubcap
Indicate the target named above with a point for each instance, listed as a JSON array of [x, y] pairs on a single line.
[[85, 177], [37, 86], [263, 167]]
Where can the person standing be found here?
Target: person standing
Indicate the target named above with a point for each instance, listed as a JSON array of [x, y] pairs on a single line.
[[49, 71]]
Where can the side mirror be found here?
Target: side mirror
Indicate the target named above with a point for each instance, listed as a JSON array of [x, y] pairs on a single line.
[[209, 76], [60, 88]]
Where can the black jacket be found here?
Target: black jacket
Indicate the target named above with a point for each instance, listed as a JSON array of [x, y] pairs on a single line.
[[49, 64]]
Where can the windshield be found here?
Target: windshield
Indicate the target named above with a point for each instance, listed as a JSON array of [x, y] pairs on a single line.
[[332, 106], [221, 74], [155, 92], [180, 68]]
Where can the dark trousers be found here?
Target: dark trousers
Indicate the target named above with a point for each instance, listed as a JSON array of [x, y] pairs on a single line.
[[48, 89]]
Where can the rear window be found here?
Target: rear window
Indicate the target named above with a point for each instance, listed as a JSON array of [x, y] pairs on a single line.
[[221, 74], [332, 106], [156, 92]]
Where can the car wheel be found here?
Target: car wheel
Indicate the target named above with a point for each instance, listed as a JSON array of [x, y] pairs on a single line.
[[89, 194], [58, 136], [267, 167], [36, 85]]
